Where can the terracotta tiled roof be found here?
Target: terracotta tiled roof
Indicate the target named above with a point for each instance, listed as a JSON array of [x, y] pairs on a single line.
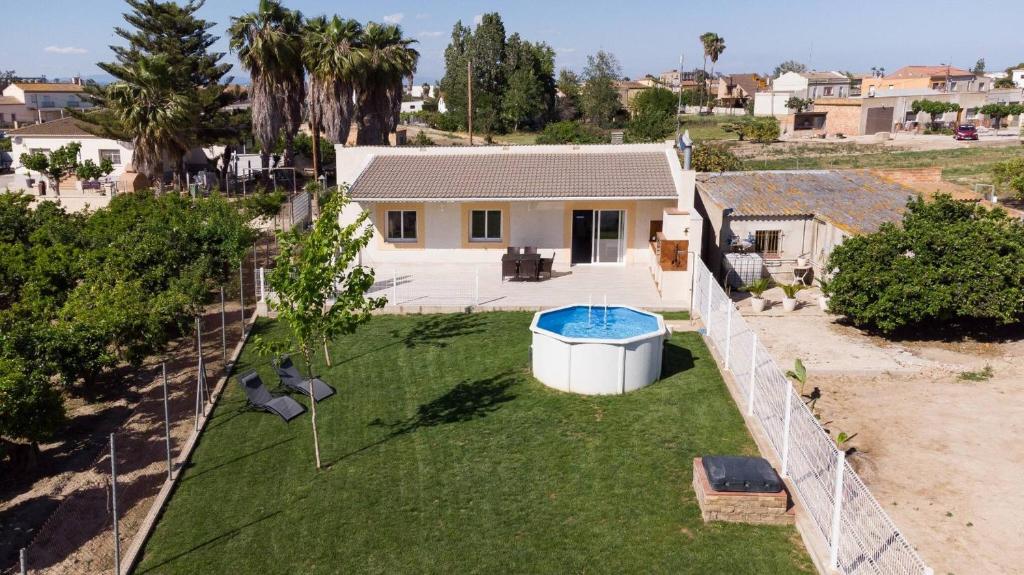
[[855, 201], [61, 127], [516, 176], [928, 72], [48, 87]]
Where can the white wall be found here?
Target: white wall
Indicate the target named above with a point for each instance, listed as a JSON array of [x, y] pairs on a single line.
[[771, 103], [790, 82], [90, 149]]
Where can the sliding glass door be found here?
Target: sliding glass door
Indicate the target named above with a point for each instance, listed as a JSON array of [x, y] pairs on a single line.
[[609, 236]]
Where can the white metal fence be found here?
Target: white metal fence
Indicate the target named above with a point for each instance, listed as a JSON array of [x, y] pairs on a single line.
[[415, 287], [861, 537]]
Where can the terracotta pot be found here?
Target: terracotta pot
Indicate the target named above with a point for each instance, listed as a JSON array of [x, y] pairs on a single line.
[[757, 304], [789, 304]]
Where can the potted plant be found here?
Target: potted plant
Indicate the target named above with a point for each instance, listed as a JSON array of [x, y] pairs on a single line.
[[825, 291], [789, 297], [756, 290], [802, 262]]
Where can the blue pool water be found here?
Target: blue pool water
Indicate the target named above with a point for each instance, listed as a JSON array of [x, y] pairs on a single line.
[[621, 323]]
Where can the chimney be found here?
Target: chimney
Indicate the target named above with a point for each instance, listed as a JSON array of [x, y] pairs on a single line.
[[686, 146]]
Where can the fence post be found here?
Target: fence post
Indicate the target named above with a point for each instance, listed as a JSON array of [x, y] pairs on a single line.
[[476, 288], [707, 316], [23, 559], [728, 334], [113, 505], [167, 423], [753, 376], [837, 509], [394, 286], [785, 429], [223, 332], [241, 289]]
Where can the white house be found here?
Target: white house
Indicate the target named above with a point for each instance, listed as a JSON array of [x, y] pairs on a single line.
[[30, 102], [49, 136], [804, 85], [603, 205]]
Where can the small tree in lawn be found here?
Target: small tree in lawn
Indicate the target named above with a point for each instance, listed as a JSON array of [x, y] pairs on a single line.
[[314, 267], [934, 109], [62, 163]]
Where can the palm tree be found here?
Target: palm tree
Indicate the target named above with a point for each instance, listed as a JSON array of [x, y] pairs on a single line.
[[382, 60], [269, 45], [714, 49], [147, 105], [327, 53], [706, 39]]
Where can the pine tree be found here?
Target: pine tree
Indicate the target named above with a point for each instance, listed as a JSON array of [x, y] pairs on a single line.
[[174, 34]]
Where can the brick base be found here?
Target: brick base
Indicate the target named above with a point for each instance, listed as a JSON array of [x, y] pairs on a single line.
[[760, 508]]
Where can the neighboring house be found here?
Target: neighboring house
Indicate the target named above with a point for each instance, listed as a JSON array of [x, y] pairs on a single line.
[[628, 90], [49, 136], [812, 85], [32, 102], [675, 81], [937, 78], [1017, 75], [803, 85], [412, 106], [780, 216], [735, 90], [598, 204]]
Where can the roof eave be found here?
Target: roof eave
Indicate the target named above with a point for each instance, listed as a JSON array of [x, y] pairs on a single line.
[[512, 199]]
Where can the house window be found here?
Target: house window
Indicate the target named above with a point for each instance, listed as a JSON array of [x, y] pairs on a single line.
[[113, 155], [766, 243], [827, 91], [401, 225], [485, 226], [39, 150]]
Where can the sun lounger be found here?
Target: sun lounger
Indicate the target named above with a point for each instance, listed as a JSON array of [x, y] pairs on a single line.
[[291, 378], [260, 398]]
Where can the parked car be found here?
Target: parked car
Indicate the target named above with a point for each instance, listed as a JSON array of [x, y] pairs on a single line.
[[966, 132]]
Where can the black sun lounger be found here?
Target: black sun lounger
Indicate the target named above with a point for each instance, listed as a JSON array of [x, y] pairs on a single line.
[[261, 398], [290, 377]]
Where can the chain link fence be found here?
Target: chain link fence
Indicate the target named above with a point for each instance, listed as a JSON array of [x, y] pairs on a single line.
[[860, 535]]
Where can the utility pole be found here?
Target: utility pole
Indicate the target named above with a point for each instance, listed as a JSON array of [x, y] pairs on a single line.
[[679, 102], [469, 93]]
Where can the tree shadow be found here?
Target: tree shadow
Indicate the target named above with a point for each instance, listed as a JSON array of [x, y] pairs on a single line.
[[675, 359], [438, 330], [20, 523], [467, 401], [232, 460], [946, 331]]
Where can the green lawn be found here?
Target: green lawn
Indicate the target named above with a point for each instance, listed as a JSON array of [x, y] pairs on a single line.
[[445, 456]]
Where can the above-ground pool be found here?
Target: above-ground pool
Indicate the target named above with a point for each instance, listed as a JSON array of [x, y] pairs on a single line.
[[597, 351]]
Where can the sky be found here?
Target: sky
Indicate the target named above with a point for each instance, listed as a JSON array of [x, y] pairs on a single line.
[[69, 36]]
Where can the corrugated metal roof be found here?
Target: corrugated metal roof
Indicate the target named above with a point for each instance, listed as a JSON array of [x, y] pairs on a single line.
[[853, 200], [516, 176]]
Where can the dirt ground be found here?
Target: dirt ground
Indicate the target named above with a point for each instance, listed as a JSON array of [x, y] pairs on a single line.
[[61, 510], [941, 454]]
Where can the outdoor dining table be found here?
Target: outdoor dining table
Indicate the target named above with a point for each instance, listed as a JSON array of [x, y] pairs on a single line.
[[518, 260]]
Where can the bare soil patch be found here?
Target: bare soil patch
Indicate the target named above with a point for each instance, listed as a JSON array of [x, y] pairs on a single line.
[[940, 453]]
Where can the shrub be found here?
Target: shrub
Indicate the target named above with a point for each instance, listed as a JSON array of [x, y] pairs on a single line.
[[949, 263], [571, 132], [650, 126], [714, 157], [763, 130], [1010, 175]]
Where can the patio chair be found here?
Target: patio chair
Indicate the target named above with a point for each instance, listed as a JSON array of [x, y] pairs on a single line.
[[545, 266], [529, 250], [529, 268], [260, 398], [512, 251], [291, 378], [509, 267]]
